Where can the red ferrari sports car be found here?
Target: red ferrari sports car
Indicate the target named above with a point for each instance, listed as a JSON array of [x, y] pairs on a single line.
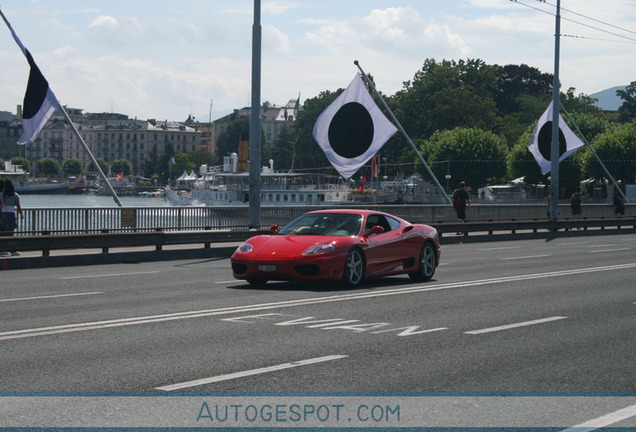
[[339, 244]]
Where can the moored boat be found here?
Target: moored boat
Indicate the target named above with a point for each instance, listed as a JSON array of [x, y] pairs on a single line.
[[226, 185]]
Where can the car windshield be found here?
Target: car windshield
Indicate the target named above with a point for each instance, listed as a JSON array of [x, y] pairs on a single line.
[[333, 224]]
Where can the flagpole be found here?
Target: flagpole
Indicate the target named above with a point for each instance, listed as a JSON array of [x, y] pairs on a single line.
[[90, 155], [595, 154], [554, 150], [399, 126], [255, 123]]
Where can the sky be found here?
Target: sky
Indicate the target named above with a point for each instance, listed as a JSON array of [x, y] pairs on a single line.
[[168, 59]]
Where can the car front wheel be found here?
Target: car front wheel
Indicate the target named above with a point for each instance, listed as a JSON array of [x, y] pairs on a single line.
[[428, 262], [354, 268]]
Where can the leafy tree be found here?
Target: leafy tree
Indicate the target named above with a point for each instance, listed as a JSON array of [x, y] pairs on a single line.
[[308, 153], [516, 82], [201, 157], [627, 111], [228, 141], [72, 167], [49, 167], [473, 155], [122, 165], [183, 162], [617, 149], [282, 149], [102, 164], [429, 102]]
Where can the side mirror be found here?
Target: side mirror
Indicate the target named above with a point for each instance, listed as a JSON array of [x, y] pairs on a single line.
[[274, 229], [377, 229]]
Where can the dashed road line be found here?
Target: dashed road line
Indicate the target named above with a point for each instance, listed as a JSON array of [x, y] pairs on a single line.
[[231, 376], [49, 296], [515, 325]]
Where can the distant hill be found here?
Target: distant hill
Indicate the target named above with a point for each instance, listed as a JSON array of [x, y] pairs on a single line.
[[607, 99]]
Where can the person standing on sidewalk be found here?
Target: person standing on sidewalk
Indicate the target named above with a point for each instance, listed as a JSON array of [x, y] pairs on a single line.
[[10, 206], [461, 200]]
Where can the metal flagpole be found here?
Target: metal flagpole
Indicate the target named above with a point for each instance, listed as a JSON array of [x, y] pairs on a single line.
[[255, 123], [90, 155], [595, 154], [554, 150], [399, 126]]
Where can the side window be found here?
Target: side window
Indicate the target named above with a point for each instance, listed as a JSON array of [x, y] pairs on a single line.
[[393, 223], [374, 220]]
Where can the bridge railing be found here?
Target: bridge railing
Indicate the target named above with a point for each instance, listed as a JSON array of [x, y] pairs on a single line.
[[138, 219]]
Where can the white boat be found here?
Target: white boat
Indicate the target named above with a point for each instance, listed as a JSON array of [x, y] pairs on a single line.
[[226, 186], [40, 187], [25, 185]]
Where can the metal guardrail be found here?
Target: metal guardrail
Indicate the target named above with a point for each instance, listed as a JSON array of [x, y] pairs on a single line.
[[124, 247]]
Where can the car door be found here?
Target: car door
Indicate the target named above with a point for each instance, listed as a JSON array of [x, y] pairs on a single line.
[[386, 252]]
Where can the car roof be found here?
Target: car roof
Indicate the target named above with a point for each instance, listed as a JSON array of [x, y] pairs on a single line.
[[362, 212]]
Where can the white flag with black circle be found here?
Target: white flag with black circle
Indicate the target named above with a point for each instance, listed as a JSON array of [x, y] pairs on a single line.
[[541, 141], [352, 129], [39, 100]]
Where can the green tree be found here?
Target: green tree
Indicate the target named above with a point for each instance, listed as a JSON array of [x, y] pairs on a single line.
[[516, 82], [627, 111], [228, 141], [471, 154], [72, 167], [102, 164], [446, 95], [49, 167], [617, 149], [282, 149], [121, 165]]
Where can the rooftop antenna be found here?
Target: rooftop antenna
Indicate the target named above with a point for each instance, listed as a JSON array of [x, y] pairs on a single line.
[[210, 117]]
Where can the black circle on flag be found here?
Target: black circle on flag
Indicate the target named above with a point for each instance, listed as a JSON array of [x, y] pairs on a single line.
[[545, 141], [351, 130]]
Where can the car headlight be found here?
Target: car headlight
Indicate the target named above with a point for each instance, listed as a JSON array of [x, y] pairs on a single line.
[[320, 249], [245, 248]]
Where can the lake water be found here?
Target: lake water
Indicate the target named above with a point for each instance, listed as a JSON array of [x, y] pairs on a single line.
[[74, 201]]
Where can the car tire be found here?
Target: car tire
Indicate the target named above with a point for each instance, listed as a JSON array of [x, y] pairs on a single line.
[[256, 281], [354, 268], [427, 264]]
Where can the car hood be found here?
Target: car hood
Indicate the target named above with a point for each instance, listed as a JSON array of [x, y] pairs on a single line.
[[287, 246]]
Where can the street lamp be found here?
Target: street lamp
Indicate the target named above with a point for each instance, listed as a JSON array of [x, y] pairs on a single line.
[[448, 177]]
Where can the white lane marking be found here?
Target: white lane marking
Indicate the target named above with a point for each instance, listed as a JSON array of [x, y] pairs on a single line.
[[605, 420], [50, 296], [17, 334], [231, 376], [515, 325], [229, 281], [499, 248], [108, 275], [525, 257], [606, 245], [610, 250]]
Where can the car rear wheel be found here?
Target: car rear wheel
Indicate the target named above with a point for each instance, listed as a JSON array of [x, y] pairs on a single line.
[[354, 268], [428, 262]]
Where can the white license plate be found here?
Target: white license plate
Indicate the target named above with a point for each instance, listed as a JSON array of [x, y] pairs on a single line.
[[267, 268]]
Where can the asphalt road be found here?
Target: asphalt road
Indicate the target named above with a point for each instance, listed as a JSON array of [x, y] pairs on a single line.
[[519, 316]]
